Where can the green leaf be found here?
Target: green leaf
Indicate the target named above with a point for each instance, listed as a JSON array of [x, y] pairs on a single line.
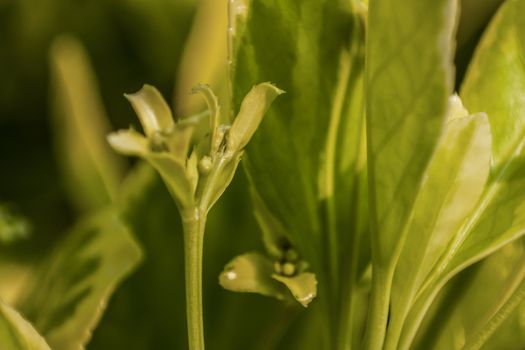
[[16, 333], [303, 286], [92, 171], [499, 216], [498, 90], [153, 111], [300, 46], [513, 293], [273, 232], [469, 301], [252, 273], [305, 153], [452, 185], [252, 110], [67, 296], [214, 108], [409, 77]]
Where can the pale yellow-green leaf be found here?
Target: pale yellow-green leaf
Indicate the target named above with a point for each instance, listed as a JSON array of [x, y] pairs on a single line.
[[16, 333], [252, 110], [128, 142], [213, 107], [303, 286], [452, 185], [252, 273], [91, 170], [153, 111]]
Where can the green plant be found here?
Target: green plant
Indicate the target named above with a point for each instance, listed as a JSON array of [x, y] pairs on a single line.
[[196, 173], [388, 189]]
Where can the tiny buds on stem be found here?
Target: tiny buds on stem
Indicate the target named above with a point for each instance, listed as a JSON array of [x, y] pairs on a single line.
[[288, 269], [250, 115], [205, 165]]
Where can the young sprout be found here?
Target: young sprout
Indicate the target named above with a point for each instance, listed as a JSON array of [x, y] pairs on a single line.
[[196, 172]]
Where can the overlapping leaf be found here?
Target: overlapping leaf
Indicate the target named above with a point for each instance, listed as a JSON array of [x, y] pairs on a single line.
[[298, 45], [453, 183], [498, 217], [409, 79], [16, 333]]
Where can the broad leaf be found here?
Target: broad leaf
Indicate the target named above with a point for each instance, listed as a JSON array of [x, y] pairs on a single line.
[[304, 159], [409, 77], [69, 293], [453, 182], [16, 333], [297, 45], [91, 169], [499, 216]]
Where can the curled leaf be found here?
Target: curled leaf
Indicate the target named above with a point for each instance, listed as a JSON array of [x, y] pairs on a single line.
[[152, 110], [251, 273], [303, 286], [251, 113]]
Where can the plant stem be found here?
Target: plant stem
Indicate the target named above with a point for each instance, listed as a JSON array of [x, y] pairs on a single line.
[[194, 224]]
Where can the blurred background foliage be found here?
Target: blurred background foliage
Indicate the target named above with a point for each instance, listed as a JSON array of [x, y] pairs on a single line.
[[173, 45]]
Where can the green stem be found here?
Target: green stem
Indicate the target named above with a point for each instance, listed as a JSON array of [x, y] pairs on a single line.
[[194, 225], [379, 308]]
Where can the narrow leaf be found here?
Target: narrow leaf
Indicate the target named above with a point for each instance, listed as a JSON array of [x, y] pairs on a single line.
[[16, 333], [252, 110], [92, 170], [213, 106]]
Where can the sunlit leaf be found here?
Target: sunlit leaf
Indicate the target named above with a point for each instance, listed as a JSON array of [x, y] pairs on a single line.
[[499, 216], [453, 183], [409, 78]]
